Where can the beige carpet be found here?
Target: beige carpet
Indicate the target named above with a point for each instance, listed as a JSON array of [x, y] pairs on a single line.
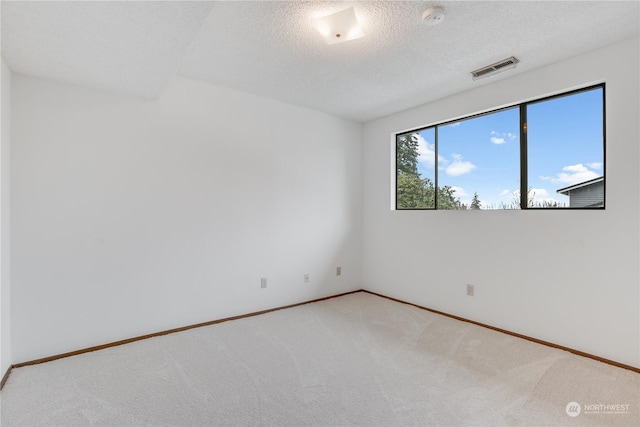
[[353, 360]]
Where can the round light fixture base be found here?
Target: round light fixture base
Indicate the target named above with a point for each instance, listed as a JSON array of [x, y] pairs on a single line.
[[433, 15]]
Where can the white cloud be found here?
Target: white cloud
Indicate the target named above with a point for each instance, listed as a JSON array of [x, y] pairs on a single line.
[[426, 152], [501, 137], [595, 165], [575, 178], [575, 168], [459, 191], [506, 192], [574, 174], [456, 124], [539, 193], [458, 166]]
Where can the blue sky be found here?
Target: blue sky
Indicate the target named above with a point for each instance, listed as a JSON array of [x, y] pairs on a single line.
[[482, 154]]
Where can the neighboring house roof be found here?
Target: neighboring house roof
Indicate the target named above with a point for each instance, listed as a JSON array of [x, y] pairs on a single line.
[[566, 190]]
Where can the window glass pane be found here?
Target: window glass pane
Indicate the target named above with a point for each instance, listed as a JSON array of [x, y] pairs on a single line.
[[415, 170], [565, 149], [479, 162]]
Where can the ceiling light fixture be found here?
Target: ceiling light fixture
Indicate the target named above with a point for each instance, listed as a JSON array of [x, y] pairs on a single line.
[[493, 69], [339, 27], [433, 16]]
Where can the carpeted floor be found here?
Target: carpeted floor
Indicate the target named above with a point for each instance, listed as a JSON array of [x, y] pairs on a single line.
[[354, 360]]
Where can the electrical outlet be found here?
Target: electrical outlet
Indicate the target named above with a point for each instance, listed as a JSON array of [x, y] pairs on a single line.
[[263, 282], [470, 290], [338, 271], [307, 279]]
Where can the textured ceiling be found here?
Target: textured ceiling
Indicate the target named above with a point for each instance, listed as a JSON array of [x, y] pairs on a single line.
[[129, 47], [271, 49]]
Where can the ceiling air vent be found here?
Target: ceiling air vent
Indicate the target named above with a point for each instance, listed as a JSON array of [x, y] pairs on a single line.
[[493, 69]]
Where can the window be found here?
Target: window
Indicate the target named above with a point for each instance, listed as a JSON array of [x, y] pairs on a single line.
[[415, 164], [565, 150], [480, 160], [551, 150]]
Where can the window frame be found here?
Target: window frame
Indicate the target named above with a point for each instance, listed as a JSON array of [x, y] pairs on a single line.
[[523, 149]]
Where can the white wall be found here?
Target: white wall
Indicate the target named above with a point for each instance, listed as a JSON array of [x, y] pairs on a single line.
[[5, 289], [131, 216], [568, 277]]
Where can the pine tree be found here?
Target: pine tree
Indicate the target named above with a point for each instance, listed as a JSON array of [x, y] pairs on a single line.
[[475, 202], [413, 191]]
